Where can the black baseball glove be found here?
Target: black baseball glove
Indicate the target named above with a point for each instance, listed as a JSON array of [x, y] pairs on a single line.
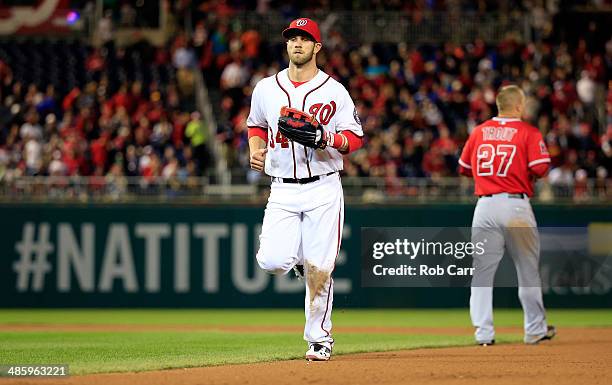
[[301, 128]]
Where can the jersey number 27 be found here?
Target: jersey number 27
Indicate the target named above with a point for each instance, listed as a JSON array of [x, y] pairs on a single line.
[[485, 159]]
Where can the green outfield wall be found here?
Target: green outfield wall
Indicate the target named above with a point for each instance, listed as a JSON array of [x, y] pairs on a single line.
[[203, 256]]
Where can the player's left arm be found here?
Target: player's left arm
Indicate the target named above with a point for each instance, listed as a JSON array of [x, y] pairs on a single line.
[[538, 158], [349, 134], [465, 167]]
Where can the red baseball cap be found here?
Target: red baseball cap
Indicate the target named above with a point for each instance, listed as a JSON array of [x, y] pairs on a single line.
[[305, 25]]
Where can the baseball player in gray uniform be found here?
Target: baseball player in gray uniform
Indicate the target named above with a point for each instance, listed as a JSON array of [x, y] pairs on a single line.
[[504, 155]]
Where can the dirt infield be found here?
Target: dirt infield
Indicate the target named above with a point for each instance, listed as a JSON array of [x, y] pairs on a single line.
[[576, 356]]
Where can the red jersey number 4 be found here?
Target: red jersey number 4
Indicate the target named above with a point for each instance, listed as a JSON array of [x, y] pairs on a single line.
[[280, 139]]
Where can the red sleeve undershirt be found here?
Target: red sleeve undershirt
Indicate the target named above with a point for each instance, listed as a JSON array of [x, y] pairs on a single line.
[[354, 142], [258, 131]]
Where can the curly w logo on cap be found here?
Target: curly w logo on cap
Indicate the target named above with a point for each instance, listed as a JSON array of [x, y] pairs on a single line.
[[303, 25]]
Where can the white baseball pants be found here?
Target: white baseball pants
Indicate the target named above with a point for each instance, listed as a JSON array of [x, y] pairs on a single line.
[[303, 225]]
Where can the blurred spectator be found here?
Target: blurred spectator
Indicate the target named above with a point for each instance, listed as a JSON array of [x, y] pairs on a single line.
[[183, 56], [235, 75], [33, 155], [127, 15], [105, 27], [562, 178], [57, 167], [197, 132], [586, 88]]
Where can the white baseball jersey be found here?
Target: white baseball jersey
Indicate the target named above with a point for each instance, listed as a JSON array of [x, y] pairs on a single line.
[[322, 97]]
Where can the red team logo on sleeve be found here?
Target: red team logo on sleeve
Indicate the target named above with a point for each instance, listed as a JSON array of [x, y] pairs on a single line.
[[500, 152], [543, 149]]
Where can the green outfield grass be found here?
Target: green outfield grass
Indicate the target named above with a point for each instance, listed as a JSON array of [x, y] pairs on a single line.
[[98, 351], [289, 317]]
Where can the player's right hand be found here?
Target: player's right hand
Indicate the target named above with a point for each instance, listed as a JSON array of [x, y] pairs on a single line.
[[258, 158]]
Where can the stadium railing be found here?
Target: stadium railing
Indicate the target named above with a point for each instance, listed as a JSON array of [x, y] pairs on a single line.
[[205, 190]]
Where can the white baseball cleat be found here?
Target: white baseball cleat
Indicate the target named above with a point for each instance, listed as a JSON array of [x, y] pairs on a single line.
[[318, 352]]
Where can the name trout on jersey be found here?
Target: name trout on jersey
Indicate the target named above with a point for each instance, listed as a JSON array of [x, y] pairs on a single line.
[[504, 134]]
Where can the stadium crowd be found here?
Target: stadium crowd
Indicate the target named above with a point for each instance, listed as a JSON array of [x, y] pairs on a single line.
[[131, 114], [130, 111], [419, 103]]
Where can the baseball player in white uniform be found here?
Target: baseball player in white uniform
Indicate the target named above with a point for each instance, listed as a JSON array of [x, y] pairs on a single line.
[[303, 219]]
